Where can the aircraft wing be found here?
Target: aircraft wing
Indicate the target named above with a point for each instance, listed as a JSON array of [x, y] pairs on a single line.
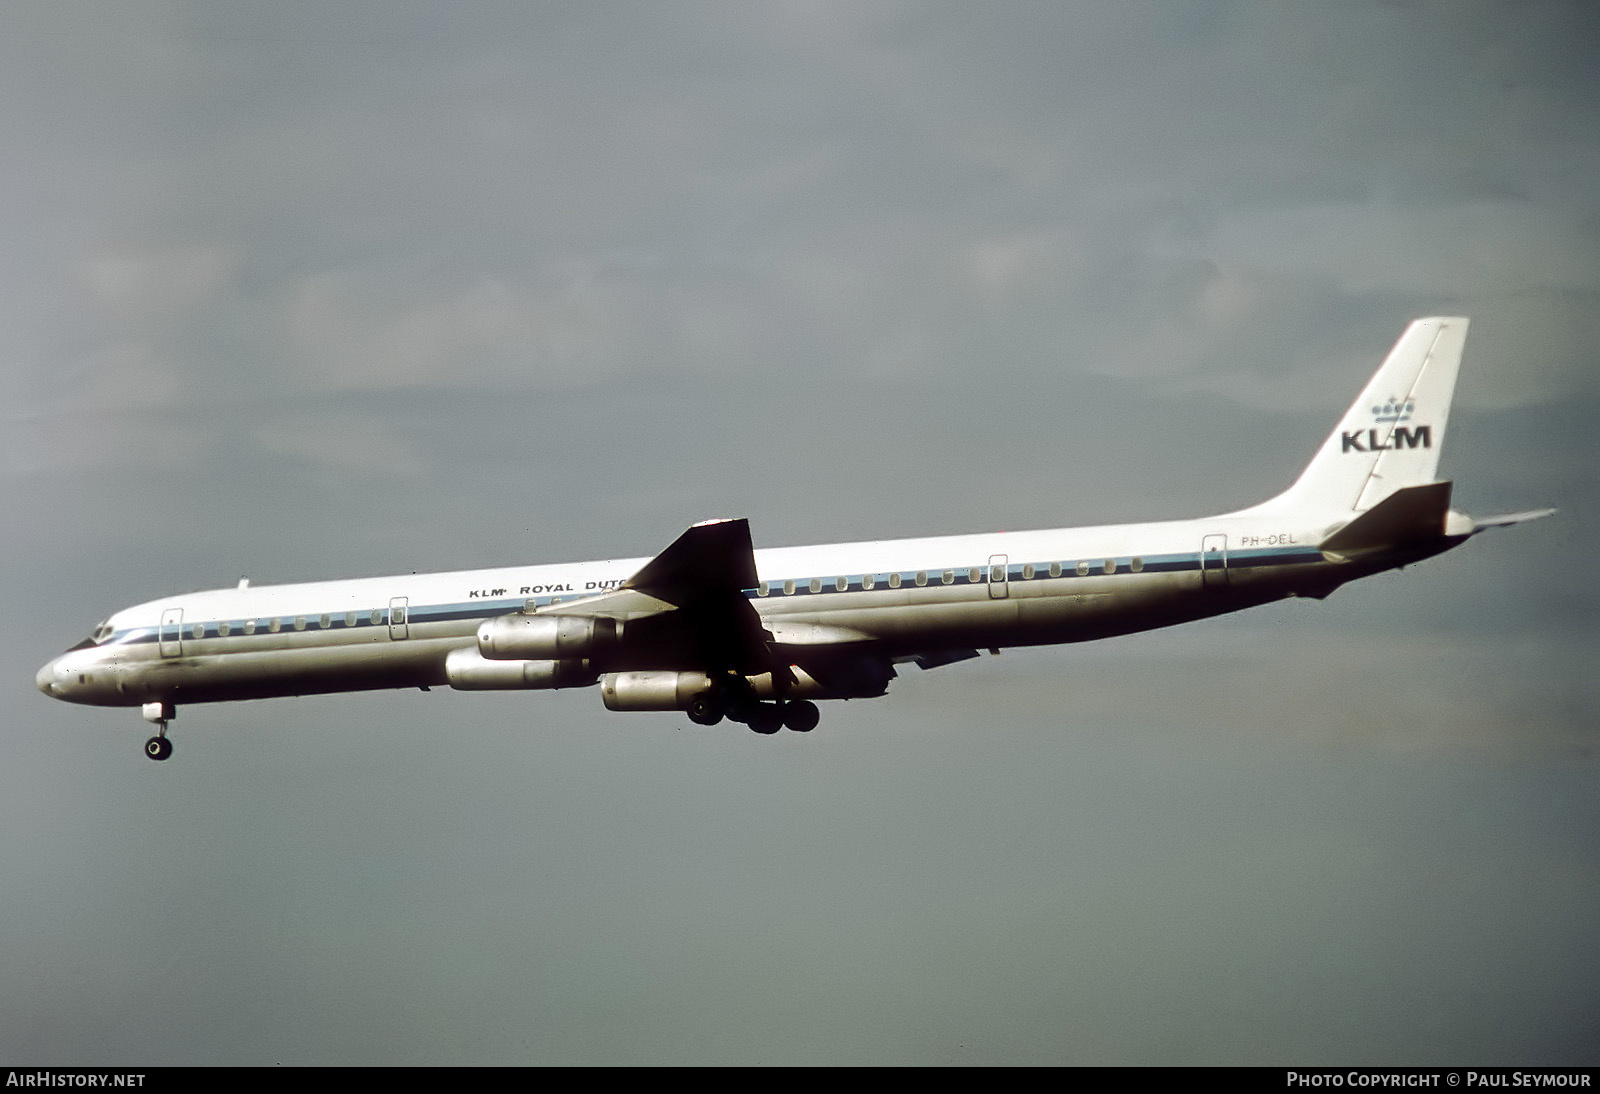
[[615, 604], [688, 605], [690, 600], [712, 558]]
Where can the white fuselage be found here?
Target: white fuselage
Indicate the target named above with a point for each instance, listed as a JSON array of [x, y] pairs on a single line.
[[890, 599], [713, 628]]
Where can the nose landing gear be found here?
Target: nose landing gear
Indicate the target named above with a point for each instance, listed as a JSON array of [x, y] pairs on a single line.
[[158, 747]]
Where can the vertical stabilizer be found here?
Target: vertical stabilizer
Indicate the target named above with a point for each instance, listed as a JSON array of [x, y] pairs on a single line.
[[1391, 436]]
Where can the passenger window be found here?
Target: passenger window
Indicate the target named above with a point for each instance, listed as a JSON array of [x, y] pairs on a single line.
[[816, 584], [275, 626], [842, 584], [788, 587], [922, 577], [948, 576], [1110, 566], [222, 630], [349, 619], [398, 615], [1136, 565], [377, 613], [1055, 569], [1027, 571], [249, 626], [867, 581], [299, 622], [326, 622], [199, 630], [1083, 569], [894, 580], [763, 589]]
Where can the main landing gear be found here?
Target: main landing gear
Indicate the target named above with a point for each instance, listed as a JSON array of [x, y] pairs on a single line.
[[800, 715], [705, 709], [158, 747]]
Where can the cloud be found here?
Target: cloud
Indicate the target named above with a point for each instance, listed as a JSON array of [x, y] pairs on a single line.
[[160, 285], [377, 287], [1452, 250], [343, 443]]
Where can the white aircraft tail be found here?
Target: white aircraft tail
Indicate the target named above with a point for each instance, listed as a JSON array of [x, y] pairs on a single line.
[[1390, 437]]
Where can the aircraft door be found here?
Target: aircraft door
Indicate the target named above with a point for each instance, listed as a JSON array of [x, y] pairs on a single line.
[[999, 574], [170, 637], [399, 623], [1214, 561]]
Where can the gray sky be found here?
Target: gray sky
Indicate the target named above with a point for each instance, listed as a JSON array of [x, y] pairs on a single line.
[[310, 290]]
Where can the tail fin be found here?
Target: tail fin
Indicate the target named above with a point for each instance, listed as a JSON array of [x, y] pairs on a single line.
[[1391, 436]]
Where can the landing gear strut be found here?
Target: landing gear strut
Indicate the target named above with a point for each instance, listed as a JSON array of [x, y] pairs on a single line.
[[158, 747]]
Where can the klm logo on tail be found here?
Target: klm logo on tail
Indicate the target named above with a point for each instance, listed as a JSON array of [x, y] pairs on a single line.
[[1390, 411], [1394, 410], [1402, 437]]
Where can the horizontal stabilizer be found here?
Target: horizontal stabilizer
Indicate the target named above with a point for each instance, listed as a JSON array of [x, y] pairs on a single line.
[[1506, 519], [1411, 514]]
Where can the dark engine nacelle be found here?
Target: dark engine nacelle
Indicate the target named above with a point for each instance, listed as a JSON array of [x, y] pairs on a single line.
[[467, 670], [546, 637]]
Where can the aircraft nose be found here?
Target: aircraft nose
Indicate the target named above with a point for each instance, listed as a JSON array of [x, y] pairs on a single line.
[[45, 679]]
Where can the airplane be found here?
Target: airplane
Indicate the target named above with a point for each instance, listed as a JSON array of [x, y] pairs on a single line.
[[716, 629]]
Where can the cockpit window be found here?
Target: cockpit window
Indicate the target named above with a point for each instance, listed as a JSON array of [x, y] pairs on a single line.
[[97, 637]]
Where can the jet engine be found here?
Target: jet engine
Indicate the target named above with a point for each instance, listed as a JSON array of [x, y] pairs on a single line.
[[667, 690], [658, 690], [467, 670], [546, 637]]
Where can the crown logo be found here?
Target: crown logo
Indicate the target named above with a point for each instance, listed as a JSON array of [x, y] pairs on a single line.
[[1393, 410]]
